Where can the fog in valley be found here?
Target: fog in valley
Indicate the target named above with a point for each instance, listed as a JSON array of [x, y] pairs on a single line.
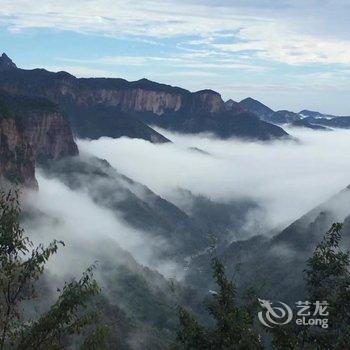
[[88, 230], [288, 178]]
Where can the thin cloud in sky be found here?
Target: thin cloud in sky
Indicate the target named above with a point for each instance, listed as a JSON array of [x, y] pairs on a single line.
[[223, 43], [187, 60], [262, 29]]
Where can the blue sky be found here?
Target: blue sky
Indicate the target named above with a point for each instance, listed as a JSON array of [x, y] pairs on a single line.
[[288, 54]]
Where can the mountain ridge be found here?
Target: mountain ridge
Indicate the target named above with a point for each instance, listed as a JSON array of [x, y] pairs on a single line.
[[148, 102], [267, 114], [265, 262]]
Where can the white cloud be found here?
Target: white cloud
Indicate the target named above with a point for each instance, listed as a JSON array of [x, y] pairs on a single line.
[[193, 60], [287, 178], [234, 47], [85, 227], [285, 33], [275, 42]]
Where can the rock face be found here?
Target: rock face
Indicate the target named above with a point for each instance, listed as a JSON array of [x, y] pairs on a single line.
[[97, 107], [139, 96], [135, 100], [49, 135], [207, 101], [31, 130], [115, 107], [17, 162]]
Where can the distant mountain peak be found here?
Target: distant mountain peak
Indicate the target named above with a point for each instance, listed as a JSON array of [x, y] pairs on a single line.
[[249, 101], [144, 80], [315, 114], [206, 91], [6, 63], [256, 107], [233, 106]]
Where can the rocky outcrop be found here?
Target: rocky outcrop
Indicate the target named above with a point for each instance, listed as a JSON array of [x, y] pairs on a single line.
[[31, 130]]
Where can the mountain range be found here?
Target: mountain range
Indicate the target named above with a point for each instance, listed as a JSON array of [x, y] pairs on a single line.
[[51, 108], [99, 107], [305, 118]]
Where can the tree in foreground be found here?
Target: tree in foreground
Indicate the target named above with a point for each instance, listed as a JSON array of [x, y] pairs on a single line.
[[21, 265], [233, 327], [328, 280]]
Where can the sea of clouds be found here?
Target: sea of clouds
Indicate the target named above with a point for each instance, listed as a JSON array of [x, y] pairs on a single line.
[[286, 178]]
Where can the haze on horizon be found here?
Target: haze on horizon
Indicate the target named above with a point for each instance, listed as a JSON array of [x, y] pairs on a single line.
[[289, 55]]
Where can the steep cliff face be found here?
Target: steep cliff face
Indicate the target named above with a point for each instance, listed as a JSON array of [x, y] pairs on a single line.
[[137, 100], [96, 106], [207, 101], [31, 130], [49, 135], [123, 108], [151, 99], [139, 96], [17, 162]]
